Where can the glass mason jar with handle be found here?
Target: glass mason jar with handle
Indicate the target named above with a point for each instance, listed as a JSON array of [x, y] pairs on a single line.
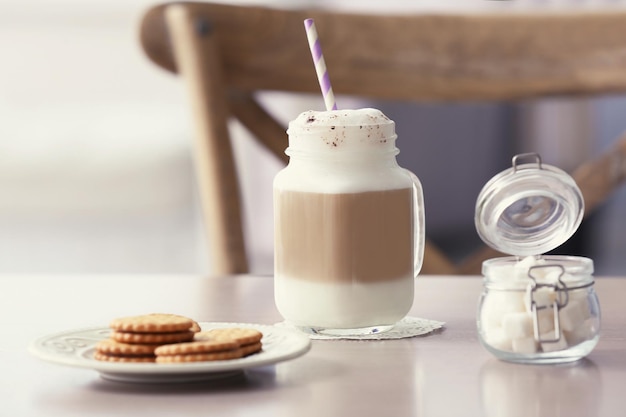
[[348, 225]]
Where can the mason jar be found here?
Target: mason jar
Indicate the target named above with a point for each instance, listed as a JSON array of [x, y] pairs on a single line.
[[539, 309], [534, 308], [348, 225]]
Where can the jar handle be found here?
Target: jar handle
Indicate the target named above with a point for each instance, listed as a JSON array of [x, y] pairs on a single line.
[[418, 226]]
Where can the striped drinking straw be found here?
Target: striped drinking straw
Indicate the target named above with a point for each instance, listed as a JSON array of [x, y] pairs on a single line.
[[320, 65]]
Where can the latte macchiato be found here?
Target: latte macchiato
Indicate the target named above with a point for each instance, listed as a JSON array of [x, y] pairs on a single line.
[[347, 226]]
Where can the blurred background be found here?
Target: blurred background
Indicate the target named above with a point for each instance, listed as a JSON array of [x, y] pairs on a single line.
[[96, 170]]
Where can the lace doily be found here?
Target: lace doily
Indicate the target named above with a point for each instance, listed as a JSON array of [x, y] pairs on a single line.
[[407, 327]]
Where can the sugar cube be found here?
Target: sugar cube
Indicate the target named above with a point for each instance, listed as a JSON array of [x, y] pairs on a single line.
[[573, 315], [525, 345], [497, 339], [584, 331], [518, 325], [561, 344]]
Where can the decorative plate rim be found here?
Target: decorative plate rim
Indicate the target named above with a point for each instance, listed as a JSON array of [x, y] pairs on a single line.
[[279, 344]]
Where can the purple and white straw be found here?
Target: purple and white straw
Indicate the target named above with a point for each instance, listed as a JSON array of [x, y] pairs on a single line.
[[320, 65]]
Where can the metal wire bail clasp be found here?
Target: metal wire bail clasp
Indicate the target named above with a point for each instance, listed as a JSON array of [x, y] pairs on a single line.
[[534, 155], [561, 298]]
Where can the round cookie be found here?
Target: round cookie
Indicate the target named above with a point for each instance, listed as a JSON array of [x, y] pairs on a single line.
[[152, 323], [195, 327], [114, 358], [112, 347], [241, 335], [207, 346], [152, 338], [251, 348], [200, 357]]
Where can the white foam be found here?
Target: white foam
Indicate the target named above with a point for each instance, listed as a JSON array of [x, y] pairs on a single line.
[[342, 151], [338, 130], [343, 305]]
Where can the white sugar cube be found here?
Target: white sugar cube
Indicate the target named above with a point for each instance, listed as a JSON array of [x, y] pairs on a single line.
[[545, 320], [542, 297], [525, 345], [561, 344], [497, 339], [507, 301], [529, 261], [552, 275], [518, 325], [499, 303], [523, 268], [585, 331], [584, 306], [490, 315], [489, 326], [573, 314], [578, 294]]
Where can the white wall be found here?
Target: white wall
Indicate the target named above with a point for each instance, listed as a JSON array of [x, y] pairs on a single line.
[[96, 169], [95, 163], [96, 166]]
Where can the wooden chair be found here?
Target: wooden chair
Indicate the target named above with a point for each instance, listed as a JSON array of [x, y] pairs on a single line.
[[226, 53]]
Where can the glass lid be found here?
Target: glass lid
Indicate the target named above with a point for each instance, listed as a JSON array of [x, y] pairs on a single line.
[[528, 209]]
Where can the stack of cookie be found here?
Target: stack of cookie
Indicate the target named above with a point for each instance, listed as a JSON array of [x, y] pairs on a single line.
[[169, 338], [211, 345]]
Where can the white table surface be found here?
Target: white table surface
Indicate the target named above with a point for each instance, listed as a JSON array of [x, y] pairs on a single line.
[[444, 374]]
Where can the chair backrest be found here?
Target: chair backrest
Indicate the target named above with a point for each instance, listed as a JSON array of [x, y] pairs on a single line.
[[226, 53]]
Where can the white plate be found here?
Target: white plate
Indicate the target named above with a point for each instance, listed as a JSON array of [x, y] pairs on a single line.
[[76, 347]]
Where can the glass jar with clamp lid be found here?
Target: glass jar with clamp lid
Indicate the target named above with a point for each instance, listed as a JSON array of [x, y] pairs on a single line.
[[534, 308]]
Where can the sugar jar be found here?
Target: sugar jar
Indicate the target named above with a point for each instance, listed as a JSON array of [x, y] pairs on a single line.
[[534, 308]]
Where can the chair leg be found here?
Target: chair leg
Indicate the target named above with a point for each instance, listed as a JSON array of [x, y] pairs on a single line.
[[473, 264], [199, 65], [435, 261], [598, 178], [260, 123]]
